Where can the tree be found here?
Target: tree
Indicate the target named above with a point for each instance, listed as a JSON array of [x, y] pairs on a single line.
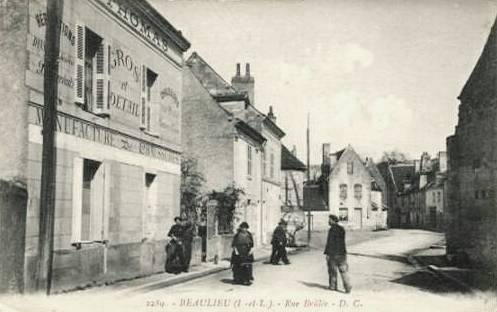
[[191, 187], [226, 206], [393, 157]]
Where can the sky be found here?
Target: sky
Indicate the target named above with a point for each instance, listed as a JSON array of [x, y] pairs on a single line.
[[379, 75]]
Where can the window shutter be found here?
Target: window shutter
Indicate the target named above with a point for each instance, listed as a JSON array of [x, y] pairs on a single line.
[[79, 70], [77, 199], [101, 106], [143, 100]]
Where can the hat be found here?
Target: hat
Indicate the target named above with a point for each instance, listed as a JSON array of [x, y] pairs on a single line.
[[177, 218], [244, 225], [282, 222], [333, 217]]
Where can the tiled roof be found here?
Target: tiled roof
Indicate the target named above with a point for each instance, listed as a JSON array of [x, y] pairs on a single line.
[[290, 161]]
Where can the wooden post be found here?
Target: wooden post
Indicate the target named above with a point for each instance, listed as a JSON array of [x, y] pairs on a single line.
[[47, 189]]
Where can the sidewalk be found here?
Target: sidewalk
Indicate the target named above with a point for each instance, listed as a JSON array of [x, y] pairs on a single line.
[[162, 280], [466, 280]]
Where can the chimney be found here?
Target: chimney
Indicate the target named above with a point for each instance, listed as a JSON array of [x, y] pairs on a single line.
[[417, 165], [326, 153], [244, 83], [271, 114], [423, 180]]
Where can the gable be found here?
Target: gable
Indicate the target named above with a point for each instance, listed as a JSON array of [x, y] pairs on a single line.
[[349, 156]]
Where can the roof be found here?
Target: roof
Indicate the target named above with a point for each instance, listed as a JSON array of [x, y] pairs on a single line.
[[375, 174], [339, 154], [480, 86], [208, 77], [249, 131], [401, 173], [290, 161]]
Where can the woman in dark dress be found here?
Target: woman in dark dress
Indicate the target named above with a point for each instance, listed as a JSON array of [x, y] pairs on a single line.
[[175, 259], [242, 257]]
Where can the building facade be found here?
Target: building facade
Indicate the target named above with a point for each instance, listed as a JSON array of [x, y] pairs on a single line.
[[352, 191], [472, 154], [117, 137], [227, 149]]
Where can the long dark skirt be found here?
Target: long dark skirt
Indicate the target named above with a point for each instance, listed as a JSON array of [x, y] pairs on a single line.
[[242, 268], [174, 258]]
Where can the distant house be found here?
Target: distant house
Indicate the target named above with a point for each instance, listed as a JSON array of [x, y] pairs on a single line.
[[419, 197], [355, 196]]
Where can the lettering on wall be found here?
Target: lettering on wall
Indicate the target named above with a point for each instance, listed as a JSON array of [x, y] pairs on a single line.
[[140, 25], [96, 133]]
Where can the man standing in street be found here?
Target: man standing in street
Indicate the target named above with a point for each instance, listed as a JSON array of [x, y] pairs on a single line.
[[279, 242], [336, 255]]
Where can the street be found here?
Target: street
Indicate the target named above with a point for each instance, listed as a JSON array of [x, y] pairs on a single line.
[[383, 280]]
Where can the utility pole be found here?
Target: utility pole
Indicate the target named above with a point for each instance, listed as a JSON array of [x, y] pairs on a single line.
[[308, 180], [48, 164]]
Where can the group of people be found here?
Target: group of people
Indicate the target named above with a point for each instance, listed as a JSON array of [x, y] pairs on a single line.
[[242, 257], [179, 248]]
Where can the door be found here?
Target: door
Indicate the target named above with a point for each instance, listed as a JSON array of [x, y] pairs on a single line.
[[357, 218], [433, 217]]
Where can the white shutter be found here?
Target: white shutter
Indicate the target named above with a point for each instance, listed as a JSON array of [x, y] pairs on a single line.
[[143, 100], [77, 199], [79, 69], [101, 70]]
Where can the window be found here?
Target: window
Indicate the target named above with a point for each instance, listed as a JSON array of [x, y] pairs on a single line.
[[350, 167], [150, 205], [439, 196], [264, 164], [88, 201], [358, 191], [343, 214], [249, 160], [272, 165], [148, 81], [343, 191], [433, 197], [92, 72], [225, 223]]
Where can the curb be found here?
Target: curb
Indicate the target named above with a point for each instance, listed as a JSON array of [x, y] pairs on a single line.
[[194, 275]]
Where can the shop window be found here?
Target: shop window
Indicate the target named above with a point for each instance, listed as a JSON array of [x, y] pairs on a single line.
[[249, 160], [92, 72], [343, 191], [358, 191], [343, 214], [350, 167], [149, 78]]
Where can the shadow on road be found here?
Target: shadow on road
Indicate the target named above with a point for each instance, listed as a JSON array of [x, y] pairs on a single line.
[[396, 258], [228, 281], [426, 281], [314, 285]]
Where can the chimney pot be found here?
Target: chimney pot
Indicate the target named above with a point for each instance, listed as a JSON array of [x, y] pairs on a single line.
[[238, 69], [247, 69]]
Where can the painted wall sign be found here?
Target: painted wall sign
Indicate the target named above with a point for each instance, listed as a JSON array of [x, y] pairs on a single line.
[[96, 133], [143, 27]]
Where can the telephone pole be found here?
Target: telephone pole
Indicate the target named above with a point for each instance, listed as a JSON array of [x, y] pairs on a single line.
[[308, 180], [48, 164]]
